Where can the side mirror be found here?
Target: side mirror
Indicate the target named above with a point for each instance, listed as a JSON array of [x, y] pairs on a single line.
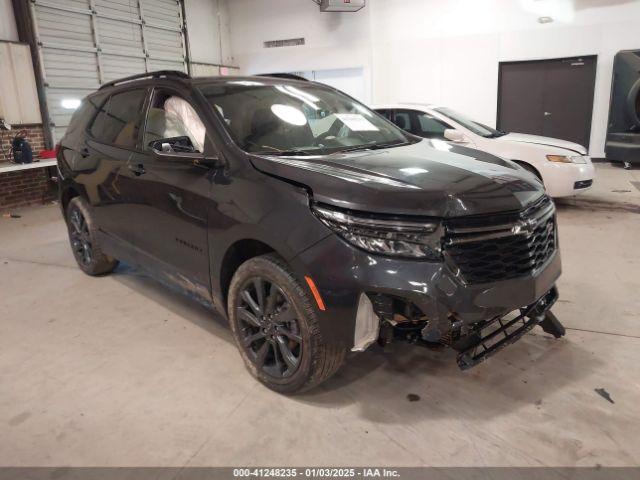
[[173, 145], [181, 150], [455, 135]]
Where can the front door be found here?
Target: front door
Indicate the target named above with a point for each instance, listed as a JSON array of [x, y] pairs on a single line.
[[553, 98], [172, 196]]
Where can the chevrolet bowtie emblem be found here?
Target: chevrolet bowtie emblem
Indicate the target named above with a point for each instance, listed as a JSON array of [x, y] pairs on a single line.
[[524, 227]]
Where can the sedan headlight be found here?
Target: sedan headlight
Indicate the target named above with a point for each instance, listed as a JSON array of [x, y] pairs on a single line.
[[566, 159], [384, 236]]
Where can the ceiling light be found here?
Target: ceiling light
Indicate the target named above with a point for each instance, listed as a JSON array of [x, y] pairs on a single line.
[[70, 103], [289, 114], [545, 19]]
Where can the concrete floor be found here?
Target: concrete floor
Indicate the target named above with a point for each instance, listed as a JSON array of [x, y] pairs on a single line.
[[120, 371]]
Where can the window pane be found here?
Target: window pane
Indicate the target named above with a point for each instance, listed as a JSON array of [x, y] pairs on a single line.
[[430, 127], [171, 117], [403, 120], [386, 113], [277, 118], [118, 121]]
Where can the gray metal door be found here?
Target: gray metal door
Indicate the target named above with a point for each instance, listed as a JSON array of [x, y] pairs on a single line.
[[553, 98], [84, 43]]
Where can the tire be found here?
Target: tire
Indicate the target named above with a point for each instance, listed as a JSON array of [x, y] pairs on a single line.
[[83, 240], [265, 343]]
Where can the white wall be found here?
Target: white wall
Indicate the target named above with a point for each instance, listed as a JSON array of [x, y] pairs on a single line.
[[18, 93], [8, 29], [333, 41], [208, 31], [438, 51]]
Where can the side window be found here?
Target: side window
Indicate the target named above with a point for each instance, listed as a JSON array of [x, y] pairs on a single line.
[[174, 118], [430, 127], [118, 120], [402, 119], [420, 123], [385, 112]]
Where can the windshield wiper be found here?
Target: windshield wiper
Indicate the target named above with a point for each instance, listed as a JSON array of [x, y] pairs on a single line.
[[496, 134], [373, 146], [291, 152], [278, 152]]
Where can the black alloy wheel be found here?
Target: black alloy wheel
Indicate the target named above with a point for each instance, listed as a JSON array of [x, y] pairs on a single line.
[[83, 239], [80, 238], [275, 324], [269, 330]]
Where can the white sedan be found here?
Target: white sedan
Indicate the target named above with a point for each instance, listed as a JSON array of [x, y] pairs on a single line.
[[564, 167]]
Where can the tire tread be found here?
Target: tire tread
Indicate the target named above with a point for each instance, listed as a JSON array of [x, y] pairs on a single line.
[[327, 358]]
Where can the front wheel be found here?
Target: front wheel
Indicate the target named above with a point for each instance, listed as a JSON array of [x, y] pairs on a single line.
[[276, 329], [84, 244]]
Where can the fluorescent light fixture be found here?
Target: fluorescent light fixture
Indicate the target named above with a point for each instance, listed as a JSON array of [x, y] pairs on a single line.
[[70, 103]]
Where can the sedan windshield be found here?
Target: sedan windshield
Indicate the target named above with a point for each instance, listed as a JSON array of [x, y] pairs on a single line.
[[476, 127], [287, 119]]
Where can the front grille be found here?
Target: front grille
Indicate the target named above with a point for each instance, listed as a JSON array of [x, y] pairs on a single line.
[[500, 247]]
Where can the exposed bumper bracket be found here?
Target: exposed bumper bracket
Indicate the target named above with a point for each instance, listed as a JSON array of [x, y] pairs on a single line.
[[508, 332]]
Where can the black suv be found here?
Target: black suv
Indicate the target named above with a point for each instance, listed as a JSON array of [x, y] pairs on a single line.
[[315, 225]]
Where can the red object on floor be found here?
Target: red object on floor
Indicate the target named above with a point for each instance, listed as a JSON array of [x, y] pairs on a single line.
[[47, 154]]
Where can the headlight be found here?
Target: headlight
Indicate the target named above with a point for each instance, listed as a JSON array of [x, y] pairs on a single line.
[[566, 159], [398, 238]]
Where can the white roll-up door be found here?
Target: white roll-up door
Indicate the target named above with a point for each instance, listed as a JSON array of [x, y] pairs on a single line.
[[85, 43]]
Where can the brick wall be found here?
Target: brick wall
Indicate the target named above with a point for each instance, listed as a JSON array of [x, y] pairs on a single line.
[[25, 187], [34, 136]]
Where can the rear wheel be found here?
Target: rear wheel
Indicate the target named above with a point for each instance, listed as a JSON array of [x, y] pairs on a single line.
[[84, 244], [276, 329]]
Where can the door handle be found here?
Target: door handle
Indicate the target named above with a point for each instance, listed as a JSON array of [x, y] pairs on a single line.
[[546, 114], [137, 169]]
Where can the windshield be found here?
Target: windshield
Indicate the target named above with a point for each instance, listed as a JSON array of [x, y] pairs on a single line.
[[476, 127], [270, 118]]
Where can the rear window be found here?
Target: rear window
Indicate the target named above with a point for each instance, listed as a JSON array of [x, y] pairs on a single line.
[[119, 119], [83, 114]]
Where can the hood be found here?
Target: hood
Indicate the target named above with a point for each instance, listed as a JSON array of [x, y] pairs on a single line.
[[547, 141], [430, 178]]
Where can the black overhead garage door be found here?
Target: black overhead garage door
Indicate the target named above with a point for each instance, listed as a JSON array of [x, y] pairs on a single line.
[[84, 43]]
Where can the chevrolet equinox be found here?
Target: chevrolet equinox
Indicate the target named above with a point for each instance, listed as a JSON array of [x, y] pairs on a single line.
[[316, 226]]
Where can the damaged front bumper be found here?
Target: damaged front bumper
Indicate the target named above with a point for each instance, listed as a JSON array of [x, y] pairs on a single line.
[[370, 298], [489, 338]]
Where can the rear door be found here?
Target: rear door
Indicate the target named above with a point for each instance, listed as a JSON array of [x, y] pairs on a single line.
[[111, 139]]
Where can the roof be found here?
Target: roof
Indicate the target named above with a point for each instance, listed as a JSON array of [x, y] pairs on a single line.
[[416, 106], [184, 78]]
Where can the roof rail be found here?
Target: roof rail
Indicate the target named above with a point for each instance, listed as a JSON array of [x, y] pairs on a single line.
[[157, 74], [289, 76]]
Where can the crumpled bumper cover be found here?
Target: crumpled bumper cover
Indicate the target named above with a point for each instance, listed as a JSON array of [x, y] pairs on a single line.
[[342, 272]]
